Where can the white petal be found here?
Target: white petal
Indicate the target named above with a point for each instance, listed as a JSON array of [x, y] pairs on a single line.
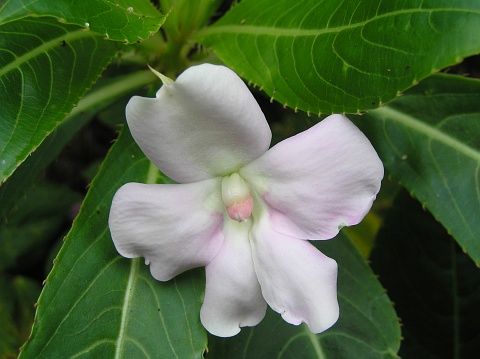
[[232, 295], [174, 227], [206, 124], [297, 280], [319, 180]]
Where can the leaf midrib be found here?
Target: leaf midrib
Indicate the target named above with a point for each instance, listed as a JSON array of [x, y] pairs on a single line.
[[296, 32], [129, 290], [315, 343], [433, 133], [151, 178]]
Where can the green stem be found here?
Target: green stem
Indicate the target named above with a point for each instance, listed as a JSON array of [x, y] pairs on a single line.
[[112, 91]]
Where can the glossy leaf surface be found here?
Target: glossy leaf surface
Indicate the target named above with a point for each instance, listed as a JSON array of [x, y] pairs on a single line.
[[428, 140], [46, 68], [342, 57], [129, 21]]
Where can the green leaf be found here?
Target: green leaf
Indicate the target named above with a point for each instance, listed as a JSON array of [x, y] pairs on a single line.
[[428, 140], [435, 287], [367, 329], [106, 91], [100, 305], [129, 21], [349, 56], [41, 80]]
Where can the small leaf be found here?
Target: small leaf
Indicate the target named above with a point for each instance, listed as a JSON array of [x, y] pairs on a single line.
[[428, 140], [129, 21], [367, 329], [42, 80], [349, 56], [99, 304], [435, 287]]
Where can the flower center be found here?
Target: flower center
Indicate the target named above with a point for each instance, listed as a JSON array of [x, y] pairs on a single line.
[[236, 196]]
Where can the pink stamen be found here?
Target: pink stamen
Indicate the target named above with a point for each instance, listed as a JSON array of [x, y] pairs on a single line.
[[240, 211]]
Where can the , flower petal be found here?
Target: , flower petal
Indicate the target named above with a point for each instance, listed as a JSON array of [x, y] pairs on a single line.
[[174, 226], [297, 280], [206, 124], [232, 294], [319, 180]]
